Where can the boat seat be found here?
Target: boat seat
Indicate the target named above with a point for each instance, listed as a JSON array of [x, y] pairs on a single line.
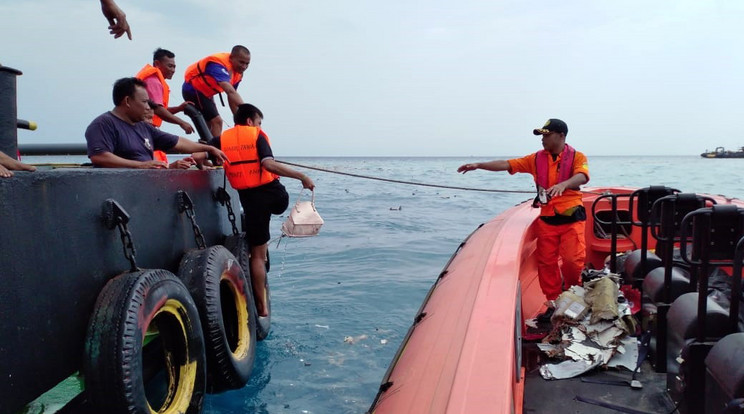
[[724, 370], [633, 268], [683, 322], [653, 284]]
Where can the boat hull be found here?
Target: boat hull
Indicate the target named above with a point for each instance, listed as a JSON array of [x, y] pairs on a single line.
[[463, 353], [50, 284]]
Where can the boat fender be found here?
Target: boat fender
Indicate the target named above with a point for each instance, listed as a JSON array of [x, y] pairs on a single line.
[[121, 363], [225, 303], [238, 246]]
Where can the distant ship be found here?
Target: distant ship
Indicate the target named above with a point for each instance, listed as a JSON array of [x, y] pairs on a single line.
[[720, 152]]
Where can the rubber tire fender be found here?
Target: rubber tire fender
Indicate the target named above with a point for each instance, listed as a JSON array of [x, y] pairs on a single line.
[[129, 306], [224, 299], [238, 246]]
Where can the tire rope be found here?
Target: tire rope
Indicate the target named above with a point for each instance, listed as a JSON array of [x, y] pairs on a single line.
[[368, 177]]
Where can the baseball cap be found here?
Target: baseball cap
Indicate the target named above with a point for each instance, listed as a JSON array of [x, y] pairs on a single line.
[[553, 125]]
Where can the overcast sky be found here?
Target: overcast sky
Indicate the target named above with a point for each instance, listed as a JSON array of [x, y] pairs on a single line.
[[408, 78]]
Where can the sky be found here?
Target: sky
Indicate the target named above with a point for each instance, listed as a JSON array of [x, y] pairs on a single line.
[[408, 78]]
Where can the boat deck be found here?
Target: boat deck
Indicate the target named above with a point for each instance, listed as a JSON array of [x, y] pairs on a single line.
[[563, 396]]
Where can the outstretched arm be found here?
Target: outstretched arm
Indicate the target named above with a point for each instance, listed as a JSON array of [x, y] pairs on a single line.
[[233, 97], [188, 146], [110, 160], [496, 165], [166, 115], [280, 169], [118, 24]]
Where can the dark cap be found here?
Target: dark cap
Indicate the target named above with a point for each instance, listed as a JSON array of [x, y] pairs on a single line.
[[553, 125]]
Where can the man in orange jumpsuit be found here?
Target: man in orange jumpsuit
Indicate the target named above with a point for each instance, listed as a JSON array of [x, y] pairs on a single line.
[[558, 170]]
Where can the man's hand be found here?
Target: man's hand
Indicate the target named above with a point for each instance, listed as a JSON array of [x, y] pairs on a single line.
[[152, 164], [187, 128], [467, 167], [118, 24], [307, 182], [218, 155], [183, 164]]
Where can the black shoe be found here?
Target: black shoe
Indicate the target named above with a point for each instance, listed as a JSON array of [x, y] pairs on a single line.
[[545, 317]]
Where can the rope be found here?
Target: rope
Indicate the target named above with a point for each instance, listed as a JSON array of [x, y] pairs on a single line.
[[407, 182]]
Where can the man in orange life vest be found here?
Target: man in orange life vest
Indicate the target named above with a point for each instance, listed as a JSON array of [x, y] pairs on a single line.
[[558, 170], [253, 171], [163, 67], [212, 75]]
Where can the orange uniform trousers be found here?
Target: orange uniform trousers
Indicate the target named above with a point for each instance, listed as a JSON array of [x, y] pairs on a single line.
[[564, 241]]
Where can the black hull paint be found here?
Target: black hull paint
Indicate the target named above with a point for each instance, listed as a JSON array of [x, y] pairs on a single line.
[[56, 253]]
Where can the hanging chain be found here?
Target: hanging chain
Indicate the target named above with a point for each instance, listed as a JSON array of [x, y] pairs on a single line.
[[114, 216], [224, 198], [186, 205], [128, 245]]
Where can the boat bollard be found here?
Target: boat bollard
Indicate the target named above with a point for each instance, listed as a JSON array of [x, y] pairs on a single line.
[[8, 111]]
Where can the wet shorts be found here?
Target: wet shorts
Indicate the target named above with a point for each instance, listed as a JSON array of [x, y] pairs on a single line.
[[258, 205], [204, 104]]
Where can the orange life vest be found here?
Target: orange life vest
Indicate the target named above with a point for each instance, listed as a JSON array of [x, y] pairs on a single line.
[[145, 73], [158, 155], [244, 170], [206, 84]]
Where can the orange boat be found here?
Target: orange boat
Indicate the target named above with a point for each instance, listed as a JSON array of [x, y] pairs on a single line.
[[466, 352]]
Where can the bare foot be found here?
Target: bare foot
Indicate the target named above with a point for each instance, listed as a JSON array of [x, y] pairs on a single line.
[[261, 310], [4, 172]]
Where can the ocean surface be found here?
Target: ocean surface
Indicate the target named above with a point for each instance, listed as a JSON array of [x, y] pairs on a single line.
[[344, 300]]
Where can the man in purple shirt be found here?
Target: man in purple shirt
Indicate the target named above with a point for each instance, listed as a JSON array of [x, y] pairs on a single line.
[[119, 138]]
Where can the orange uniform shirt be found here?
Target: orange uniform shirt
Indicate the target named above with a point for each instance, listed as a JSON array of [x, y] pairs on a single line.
[[569, 198]]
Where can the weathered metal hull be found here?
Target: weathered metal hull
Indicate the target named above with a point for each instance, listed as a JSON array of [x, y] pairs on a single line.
[[56, 253]]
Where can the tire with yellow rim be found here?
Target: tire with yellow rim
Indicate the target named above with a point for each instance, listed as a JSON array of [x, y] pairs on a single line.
[[144, 350], [225, 303]]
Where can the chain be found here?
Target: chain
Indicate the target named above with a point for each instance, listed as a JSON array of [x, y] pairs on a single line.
[[200, 242], [231, 217], [127, 245], [186, 205], [224, 198]]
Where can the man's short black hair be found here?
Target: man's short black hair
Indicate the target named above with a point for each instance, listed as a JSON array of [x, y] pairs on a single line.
[[239, 49], [161, 53], [245, 112], [125, 87]]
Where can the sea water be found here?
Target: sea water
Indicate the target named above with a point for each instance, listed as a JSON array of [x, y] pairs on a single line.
[[343, 301]]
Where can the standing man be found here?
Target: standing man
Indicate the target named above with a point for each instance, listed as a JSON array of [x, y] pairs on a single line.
[[213, 75], [163, 67], [253, 171], [119, 138], [558, 170]]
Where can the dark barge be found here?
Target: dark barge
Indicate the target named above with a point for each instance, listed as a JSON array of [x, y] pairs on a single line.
[[66, 232]]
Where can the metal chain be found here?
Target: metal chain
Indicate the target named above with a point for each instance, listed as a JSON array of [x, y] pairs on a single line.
[[127, 245], [223, 198], [231, 216], [186, 205], [200, 242]]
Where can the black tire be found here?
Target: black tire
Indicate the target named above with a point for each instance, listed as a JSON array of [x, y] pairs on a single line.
[[225, 302], [239, 248], [121, 367]]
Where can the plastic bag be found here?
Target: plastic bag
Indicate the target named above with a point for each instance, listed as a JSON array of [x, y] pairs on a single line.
[[303, 220]]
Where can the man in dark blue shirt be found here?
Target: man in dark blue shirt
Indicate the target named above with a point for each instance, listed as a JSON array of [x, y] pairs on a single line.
[[119, 138]]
